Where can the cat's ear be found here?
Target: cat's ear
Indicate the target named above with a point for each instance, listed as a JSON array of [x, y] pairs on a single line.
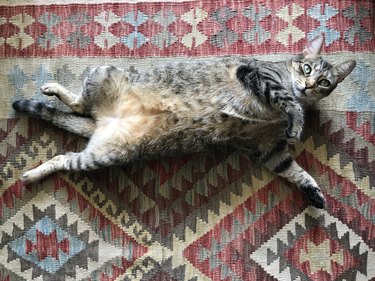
[[314, 47], [344, 69]]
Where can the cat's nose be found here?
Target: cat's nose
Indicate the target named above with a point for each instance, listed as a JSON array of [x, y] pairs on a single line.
[[309, 85]]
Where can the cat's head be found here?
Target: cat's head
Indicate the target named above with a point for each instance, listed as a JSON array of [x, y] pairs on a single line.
[[313, 78]]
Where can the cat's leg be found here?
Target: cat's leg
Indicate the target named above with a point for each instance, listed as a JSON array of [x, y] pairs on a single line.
[[102, 86], [90, 87], [83, 126], [278, 159], [74, 101], [282, 100], [272, 92], [73, 161]]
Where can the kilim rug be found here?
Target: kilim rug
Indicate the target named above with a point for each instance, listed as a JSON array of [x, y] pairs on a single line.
[[203, 216]]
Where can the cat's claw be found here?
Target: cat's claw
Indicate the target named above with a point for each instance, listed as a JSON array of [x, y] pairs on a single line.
[[315, 195]]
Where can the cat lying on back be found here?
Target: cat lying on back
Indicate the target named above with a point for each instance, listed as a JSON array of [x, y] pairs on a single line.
[[254, 105]]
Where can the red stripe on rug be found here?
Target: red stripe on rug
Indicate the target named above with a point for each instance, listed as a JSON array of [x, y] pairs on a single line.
[[173, 29]]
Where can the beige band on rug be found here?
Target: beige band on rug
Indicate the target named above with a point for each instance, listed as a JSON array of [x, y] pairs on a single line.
[[22, 77]]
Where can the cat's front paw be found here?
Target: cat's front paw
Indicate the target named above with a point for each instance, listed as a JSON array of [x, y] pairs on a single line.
[[51, 89], [314, 194], [293, 136]]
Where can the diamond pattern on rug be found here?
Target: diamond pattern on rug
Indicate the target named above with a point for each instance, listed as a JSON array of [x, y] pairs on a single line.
[[53, 242], [189, 187], [229, 250], [225, 250], [357, 14], [315, 247], [47, 245]]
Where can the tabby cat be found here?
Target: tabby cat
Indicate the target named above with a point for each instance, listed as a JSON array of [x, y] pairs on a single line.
[[254, 105]]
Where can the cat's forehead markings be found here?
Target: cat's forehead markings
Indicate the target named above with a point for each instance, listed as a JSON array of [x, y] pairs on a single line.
[[318, 67]]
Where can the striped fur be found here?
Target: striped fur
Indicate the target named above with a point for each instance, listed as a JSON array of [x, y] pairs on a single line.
[[254, 105]]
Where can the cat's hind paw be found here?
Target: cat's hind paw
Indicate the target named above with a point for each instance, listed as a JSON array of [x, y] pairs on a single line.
[[315, 195], [21, 105], [30, 176], [51, 89]]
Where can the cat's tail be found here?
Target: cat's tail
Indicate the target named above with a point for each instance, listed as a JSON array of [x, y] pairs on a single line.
[[79, 125]]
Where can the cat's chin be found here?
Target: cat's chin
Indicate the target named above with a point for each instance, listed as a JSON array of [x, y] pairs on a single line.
[[298, 93], [304, 97]]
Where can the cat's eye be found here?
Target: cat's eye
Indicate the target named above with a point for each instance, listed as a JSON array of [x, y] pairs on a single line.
[[324, 83], [307, 69]]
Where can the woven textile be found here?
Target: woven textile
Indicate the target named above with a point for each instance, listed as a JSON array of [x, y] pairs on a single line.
[[215, 215]]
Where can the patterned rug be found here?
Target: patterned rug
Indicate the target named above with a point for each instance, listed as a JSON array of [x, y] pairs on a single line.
[[203, 216]]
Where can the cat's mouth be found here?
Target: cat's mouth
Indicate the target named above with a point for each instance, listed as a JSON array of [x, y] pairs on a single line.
[[305, 93], [299, 90]]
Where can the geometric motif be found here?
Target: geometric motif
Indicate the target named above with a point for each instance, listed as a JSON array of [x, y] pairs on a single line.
[[54, 243], [21, 39], [106, 39], [78, 38], [299, 250], [48, 246], [49, 40], [195, 37], [40, 77], [357, 16], [362, 100], [164, 38], [21, 81], [69, 29], [218, 252], [330, 34], [18, 79], [225, 35], [289, 13], [134, 39], [257, 32]]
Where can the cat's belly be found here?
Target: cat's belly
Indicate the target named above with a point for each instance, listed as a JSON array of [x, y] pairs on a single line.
[[141, 116], [128, 127]]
